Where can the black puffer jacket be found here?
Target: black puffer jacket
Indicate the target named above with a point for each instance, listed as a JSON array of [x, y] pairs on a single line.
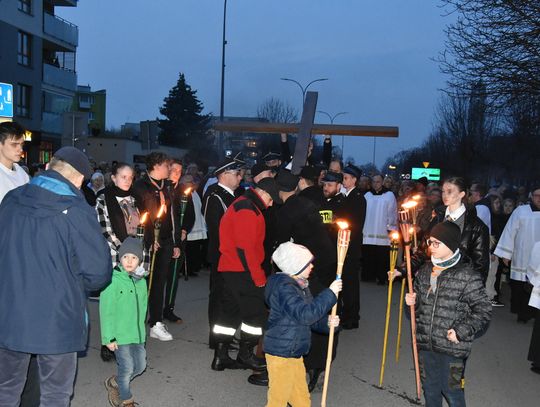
[[474, 242], [460, 303]]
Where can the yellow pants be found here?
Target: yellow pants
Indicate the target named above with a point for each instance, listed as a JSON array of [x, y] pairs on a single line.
[[287, 382]]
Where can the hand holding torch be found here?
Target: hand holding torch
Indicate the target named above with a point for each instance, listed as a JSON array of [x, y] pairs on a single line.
[[412, 206], [343, 240]]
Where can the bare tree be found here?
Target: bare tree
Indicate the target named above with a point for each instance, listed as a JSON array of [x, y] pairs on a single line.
[[496, 42], [276, 111]]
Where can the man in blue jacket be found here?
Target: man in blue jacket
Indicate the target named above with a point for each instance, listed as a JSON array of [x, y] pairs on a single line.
[[53, 253]]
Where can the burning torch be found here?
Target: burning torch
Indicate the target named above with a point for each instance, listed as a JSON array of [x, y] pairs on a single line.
[[405, 225], [343, 240], [157, 228], [394, 240]]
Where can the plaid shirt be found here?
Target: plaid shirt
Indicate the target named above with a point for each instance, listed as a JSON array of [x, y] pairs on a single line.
[[112, 240]]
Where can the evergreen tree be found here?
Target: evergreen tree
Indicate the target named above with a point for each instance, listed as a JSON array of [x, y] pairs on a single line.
[[184, 125]]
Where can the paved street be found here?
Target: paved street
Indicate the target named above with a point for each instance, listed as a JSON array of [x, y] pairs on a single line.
[[179, 371]]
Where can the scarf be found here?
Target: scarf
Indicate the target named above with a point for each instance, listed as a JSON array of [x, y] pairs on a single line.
[[440, 265], [162, 201], [116, 214]]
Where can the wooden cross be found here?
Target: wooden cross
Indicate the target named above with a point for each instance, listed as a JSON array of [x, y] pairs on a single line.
[[305, 128]]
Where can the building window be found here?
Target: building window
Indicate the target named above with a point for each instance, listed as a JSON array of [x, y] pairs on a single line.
[[25, 6], [91, 116], [45, 152], [22, 101], [24, 56]]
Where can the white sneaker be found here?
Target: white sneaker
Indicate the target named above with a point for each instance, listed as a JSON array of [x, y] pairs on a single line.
[[159, 331]]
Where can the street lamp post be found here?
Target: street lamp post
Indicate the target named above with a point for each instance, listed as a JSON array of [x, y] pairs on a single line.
[[304, 88], [221, 107], [332, 118]]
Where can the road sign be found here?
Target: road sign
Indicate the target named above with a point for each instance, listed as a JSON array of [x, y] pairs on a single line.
[[432, 174], [6, 100], [425, 164]]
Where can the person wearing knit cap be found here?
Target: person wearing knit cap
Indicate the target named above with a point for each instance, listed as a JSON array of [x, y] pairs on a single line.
[[122, 310], [293, 314], [43, 295], [452, 310]]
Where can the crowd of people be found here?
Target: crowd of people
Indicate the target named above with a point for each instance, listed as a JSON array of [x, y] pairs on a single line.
[[126, 235]]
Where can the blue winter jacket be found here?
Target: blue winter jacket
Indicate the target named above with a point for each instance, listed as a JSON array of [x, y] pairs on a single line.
[[293, 314], [52, 252]]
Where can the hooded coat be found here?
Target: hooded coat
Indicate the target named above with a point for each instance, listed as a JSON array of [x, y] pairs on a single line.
[[53, 253]]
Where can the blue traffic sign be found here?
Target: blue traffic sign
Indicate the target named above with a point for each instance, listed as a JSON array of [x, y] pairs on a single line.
[[6, 100]]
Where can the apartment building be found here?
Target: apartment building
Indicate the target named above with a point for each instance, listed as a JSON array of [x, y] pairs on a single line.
[[38, 57]]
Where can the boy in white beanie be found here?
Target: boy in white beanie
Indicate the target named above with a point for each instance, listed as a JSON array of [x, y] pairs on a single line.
[[293, 314], [122, 310]]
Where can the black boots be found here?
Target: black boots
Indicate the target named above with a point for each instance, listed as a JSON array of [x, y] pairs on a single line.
[[259, 379], [246, 359], [222, 360], [168, 314]]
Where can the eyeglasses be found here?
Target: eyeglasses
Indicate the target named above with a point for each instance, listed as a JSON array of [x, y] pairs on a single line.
[[433, 243]]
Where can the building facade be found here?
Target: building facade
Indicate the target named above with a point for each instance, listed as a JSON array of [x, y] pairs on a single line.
[[95, 104], [38, 57]]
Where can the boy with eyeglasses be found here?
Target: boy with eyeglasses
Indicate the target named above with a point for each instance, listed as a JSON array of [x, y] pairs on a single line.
[[452, 309]]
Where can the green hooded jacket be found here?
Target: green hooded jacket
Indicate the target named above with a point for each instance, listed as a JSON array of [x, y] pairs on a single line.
[[122, 309]]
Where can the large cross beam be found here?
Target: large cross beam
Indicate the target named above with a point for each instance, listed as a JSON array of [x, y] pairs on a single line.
[[305, 129]]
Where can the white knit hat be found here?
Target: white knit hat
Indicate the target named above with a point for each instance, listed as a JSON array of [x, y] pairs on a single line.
[[292, 258]]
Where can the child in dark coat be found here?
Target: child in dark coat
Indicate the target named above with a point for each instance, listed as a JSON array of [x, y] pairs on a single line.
[[452, 309], [293, 314]]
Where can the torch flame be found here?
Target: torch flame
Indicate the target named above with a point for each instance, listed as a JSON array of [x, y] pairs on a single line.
[[394, 236], [411, 230], [161, 210], [409, 204], [417, 197], [342, 224], [143, 218], [187, 191]]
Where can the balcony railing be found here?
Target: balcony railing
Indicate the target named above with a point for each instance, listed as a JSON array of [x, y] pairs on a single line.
[[60, 29], [61, 78], [71, 3]]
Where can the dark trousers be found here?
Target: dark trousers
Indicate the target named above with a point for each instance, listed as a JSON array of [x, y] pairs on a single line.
[[242, 305], [350, 295], [194, 255], [316, 357], [176, 267], [442, 375], [519, 300], [56, 377], [534, 348], [214, 300], [30, 394], [161, 276], [375, 263], [501, 268]]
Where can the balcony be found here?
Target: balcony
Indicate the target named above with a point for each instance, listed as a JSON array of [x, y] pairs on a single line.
[[61, 78], [61, 30], [52, 123], [68, 3]]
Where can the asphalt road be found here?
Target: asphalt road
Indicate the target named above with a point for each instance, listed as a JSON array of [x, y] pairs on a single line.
[[179, 374]]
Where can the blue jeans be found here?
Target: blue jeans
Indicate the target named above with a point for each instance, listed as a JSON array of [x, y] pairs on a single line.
[[56, 377], [442, 375], [131, 361]]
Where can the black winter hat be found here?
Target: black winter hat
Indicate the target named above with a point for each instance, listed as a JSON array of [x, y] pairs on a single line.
[[76, 158], [131, 246], [449, 233], [286, 181]]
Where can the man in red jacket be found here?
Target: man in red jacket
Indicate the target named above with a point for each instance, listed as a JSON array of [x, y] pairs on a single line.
[[241, 237]]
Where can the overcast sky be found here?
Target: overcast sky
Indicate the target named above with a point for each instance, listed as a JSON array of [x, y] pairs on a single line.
[[376, 54]]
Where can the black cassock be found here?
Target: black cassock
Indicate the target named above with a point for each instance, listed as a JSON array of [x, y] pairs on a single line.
[[534, 348]]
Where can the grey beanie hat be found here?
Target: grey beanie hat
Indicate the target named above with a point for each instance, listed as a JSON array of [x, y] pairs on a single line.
[[133, 246]]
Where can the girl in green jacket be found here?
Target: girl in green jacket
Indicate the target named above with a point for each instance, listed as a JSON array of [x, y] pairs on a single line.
[[122, 310]]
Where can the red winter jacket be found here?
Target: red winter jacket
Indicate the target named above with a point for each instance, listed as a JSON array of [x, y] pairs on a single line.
[[241, 237]]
